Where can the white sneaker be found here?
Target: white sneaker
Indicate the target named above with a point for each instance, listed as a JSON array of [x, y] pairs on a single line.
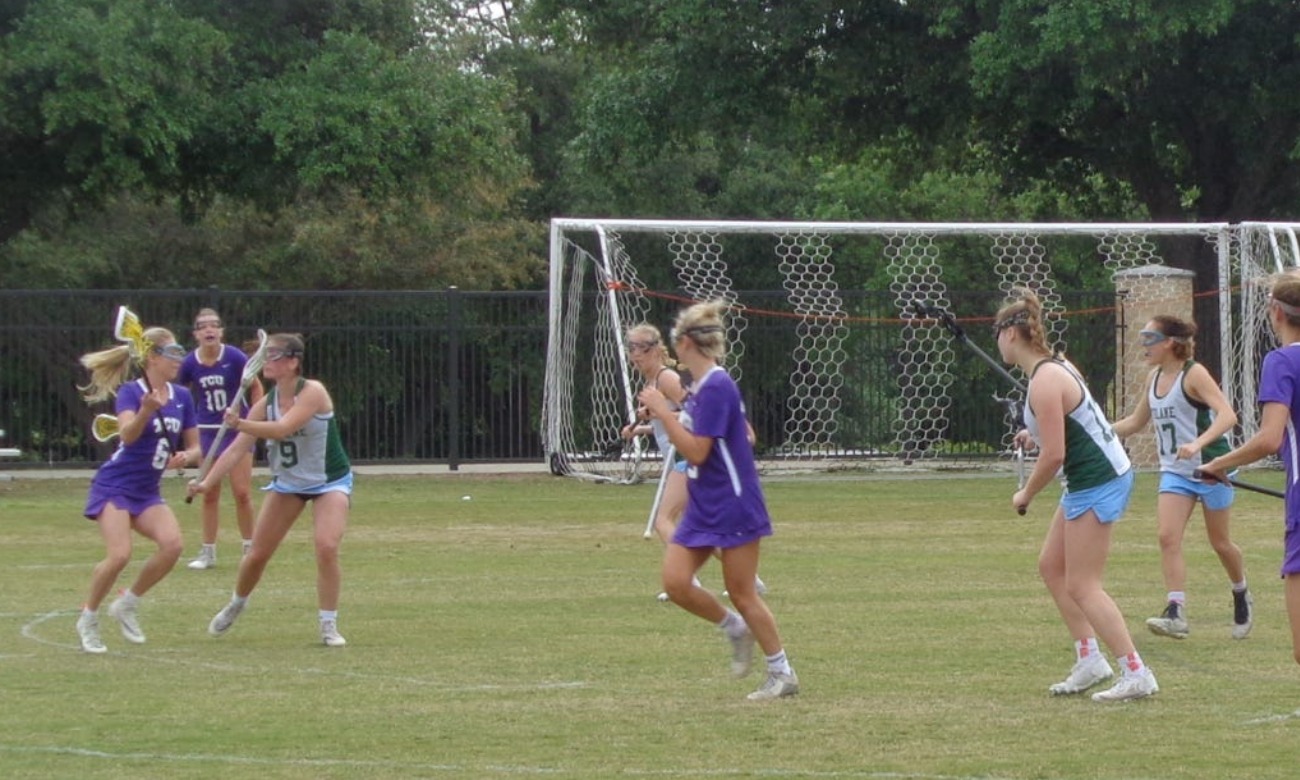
[[760, 586], [1243, 614], [1172, 622], [128, 620], [329, 634], [88, 630], [663, 596], [742, 653], [224, 619], [1131, 685], [776, 686], [1086, 673], [207, 559]]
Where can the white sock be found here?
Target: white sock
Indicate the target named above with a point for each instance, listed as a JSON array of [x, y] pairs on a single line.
[[1086, 649], [733, 625], [777, 663], [1239, 587], [1178, 597], [248, 545], [129, 598], [329, 614], [1132, 663], [238, 600]]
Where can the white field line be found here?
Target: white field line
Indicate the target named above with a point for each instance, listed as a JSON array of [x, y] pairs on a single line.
[[1272, 719], [225, 758], [29, 631]]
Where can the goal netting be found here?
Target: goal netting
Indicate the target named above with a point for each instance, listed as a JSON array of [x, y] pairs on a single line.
[[838, 365]]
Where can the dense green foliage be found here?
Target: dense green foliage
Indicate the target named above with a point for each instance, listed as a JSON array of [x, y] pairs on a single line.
[[421, 143]]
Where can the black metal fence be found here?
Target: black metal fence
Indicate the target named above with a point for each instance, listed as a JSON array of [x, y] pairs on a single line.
[[454, 376]]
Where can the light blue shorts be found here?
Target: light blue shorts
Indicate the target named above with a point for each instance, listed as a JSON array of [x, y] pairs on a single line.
[[341, 485], [1214, 495], [1108, 500], [680, 465]]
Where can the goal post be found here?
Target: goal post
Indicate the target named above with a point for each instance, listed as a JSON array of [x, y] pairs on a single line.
[[837, 367]]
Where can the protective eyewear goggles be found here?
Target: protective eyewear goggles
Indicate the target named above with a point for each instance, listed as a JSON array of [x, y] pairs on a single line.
[[1150, 338], [171, 352], [275, 353], [204, 324], [641, 346]]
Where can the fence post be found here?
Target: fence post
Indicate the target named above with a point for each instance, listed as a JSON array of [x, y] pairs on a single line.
[[453, 380]]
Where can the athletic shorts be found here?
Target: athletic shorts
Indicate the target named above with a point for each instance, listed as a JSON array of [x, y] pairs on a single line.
[[341, 485], [1291, 552], [1108, 500], [1214, 495], [135, 506]]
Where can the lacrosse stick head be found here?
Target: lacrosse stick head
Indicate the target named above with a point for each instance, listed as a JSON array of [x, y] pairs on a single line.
[[256, 360], [104, 427], [129, 330]]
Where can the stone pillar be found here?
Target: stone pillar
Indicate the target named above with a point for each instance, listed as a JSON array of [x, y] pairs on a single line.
[[1141, 294]]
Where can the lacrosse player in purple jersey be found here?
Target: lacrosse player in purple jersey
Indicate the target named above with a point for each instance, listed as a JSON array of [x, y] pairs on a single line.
[[1279, 397], [213, 373], [725, 508], [157, 432]]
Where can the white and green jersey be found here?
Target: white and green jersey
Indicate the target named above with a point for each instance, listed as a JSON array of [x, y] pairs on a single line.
[[1179, 420], [309, 457], [1093, 453]]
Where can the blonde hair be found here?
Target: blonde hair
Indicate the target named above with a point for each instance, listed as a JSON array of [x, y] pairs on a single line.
[[704, 325], [650, 334], [1286, 290], [111, 368], [1024, 312]]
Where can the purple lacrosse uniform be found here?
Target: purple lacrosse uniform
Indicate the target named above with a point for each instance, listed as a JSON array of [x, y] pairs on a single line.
[[725, 506], [214, 387], [1279, 383], [130, 478]]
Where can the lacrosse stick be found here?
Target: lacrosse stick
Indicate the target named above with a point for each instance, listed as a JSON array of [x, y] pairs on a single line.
[[1013, 413], [928, 311], [659, 492], [104, 428], [251, 369], [130, 331], [1198, 474]]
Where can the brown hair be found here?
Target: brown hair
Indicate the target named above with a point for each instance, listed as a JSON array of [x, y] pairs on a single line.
[[1182, 332], [1286, 290]]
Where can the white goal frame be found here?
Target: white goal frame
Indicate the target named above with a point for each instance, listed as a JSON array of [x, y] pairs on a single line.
[[596, 293]]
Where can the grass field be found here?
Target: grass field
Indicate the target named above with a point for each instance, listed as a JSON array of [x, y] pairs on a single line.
[[517, 635]]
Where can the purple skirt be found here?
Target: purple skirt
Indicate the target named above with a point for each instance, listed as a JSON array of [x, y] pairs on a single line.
[[135, 505]]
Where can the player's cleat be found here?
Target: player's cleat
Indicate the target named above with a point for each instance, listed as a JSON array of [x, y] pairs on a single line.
[[128, 620], [760, 586], [329, 634], [224, 619], [1131, 685], [1243, 613], [207, 559], [1086, 673], [1172, 622], [88, 630], [663, 596], [776, 686], [742, 653]]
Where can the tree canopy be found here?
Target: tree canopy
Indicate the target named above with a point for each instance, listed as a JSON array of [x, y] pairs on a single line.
[[427, 142]]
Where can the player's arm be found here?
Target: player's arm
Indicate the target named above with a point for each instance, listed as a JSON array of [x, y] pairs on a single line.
[[1272, 430], [1141, 414], [1047, 396], [311, 400], [1201, 387], [695, 449]]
